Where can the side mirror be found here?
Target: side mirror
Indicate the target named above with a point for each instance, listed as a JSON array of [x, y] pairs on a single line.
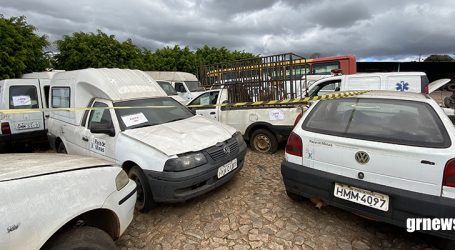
[[107, 129]]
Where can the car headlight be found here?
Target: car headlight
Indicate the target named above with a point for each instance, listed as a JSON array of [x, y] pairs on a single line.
[[185, 162], [121, 180], [239, 138]]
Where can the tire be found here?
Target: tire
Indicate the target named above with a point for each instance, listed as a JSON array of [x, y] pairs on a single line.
[[81, 238], [61, 148], [263, 141], [144, 202]]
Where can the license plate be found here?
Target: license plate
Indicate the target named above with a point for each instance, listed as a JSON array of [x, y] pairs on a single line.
[[226, 168], [27, 125], [362, 196]]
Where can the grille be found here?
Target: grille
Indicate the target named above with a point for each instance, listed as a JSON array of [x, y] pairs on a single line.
[[217, 153]]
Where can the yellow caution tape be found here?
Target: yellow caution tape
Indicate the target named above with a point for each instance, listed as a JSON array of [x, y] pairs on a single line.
[[239, 104]]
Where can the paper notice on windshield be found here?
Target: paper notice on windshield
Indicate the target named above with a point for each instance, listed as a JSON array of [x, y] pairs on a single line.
[[205, 100], [276, 115], [134, 119], [22, 100], [97, 115]]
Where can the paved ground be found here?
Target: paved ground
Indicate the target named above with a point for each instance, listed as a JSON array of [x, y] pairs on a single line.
[[253, 211]]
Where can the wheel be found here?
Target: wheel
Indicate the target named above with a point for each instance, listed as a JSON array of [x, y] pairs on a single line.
[[61, 148], [144, 200], [81, 238], [294, 197], [264, 141]]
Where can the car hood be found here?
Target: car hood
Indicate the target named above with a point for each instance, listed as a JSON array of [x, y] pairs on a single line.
[[189, 135], [18, 166]]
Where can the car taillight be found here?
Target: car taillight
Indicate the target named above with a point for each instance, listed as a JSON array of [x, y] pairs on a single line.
[[425, 89], [294, 145], [6, 130], [449, 174], [297, 119]]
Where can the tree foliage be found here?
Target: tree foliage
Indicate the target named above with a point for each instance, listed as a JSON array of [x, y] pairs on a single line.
[[439, 58], [21, 50], [82, 50]]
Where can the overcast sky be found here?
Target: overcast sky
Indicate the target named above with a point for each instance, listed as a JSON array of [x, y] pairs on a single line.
[[372, 30]]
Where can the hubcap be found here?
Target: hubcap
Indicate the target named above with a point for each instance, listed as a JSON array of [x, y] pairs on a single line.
[[262, 143]]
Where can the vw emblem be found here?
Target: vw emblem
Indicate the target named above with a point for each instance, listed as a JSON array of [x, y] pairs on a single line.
[[226, 149], [362, 157]]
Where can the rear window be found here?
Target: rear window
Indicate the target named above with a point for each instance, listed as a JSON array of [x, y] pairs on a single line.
[[23, 97], [389, 121]]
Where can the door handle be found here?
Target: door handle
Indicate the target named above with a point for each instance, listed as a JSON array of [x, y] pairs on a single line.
[[212, 113], [47, 116], [85, 138]]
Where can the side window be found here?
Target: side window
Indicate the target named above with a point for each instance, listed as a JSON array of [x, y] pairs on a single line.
[[100, 117], [179, 87], [324, 68], [326, 88], [60, 97], [203, 99], [23, 97]]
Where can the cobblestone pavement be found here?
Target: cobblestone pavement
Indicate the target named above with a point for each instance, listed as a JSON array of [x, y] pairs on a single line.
[[253, 211]]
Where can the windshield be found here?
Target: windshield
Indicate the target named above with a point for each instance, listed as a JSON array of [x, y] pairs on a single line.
[[194, 86], [390, 121], [168, 110], [167, 87]]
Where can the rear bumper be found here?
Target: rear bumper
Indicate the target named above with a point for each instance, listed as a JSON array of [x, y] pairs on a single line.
[[403, 204], [22, 139], [282, 132], [171, 187]]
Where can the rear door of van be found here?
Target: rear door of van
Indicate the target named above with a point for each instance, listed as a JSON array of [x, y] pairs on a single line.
[[25, 95]]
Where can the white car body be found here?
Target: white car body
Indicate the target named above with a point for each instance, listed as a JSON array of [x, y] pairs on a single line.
[[148, 147], [278, 120], [411, 176], [396, 81], [186, 84], [43, 193]]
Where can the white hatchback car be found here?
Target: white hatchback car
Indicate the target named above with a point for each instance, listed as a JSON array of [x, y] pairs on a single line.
[[384, 155], [56, 201]]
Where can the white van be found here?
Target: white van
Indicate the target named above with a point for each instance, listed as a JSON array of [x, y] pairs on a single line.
[[170, 91], [186, 84], [172, 154], [399, 81]]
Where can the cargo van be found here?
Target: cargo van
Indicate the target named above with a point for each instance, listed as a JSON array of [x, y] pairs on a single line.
[[171, 154], [398, 81], [170, 91], [29, 92], [186, 84]]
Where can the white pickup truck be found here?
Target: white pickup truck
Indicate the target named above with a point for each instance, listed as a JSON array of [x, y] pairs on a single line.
[[263, 127]]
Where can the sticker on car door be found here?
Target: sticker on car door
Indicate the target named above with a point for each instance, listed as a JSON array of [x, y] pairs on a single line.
[[98, 146]]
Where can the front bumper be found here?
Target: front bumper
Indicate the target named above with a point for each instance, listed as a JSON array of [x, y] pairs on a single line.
[[403, 204], [171, 187]]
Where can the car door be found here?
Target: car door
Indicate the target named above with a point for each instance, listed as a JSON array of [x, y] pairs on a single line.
[[25, 96], [207, 98], [101, 142], [44, 88], [181, 90]]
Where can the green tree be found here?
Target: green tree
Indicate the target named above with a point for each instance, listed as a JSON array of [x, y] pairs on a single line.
[[84, 50], [21, 50], [439, 58]]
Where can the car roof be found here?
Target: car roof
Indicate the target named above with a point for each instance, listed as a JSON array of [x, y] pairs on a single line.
[[18, 166], [397, 95]]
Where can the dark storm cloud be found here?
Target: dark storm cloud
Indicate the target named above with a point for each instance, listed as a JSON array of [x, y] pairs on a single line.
[[386, 29]]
